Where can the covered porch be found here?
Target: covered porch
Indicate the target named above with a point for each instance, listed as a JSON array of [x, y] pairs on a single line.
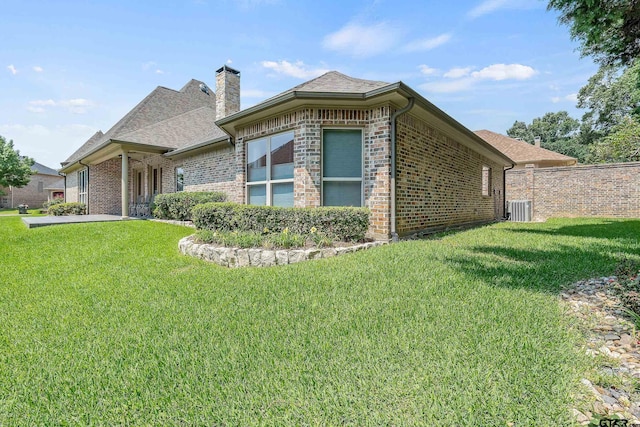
[[117, 181]]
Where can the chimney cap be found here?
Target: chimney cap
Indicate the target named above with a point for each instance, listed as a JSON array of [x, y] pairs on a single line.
[[227, 68]]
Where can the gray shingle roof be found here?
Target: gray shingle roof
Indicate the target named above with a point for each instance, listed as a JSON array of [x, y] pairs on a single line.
[[334, 81], [164, 111], [521, 151], [44, 170]]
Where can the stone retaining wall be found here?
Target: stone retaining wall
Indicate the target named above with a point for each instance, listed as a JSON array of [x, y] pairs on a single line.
[[256, 257]]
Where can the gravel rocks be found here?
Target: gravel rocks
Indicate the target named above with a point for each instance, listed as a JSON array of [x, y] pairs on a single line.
[[612, 335]]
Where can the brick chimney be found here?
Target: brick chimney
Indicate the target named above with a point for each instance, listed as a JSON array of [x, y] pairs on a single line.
[[227, 92]]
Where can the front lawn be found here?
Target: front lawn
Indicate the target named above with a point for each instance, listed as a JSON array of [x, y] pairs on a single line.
[[107, 324]]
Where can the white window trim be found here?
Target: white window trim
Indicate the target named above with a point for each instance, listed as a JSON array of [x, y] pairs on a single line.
[[486, 192], [267, 183], [83, 184], [338, 179]]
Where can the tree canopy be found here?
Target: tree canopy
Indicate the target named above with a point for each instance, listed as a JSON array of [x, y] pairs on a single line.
[[608, 30], [15, 170], [557, 131]]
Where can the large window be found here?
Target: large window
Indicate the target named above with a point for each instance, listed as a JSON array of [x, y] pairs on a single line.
[[342, 167], [270, 170], [486, 181], [83, 186]]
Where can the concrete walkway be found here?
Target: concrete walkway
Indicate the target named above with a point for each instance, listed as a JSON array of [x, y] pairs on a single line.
[[43, 221]]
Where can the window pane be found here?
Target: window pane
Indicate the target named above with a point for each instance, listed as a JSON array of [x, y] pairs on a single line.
[[282, 156], [257, 194], [341, 193], [282, 194], [179, 179], [257, 160], [342, 153]]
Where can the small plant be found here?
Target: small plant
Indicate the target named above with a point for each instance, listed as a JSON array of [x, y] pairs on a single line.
[[285, 240], [628, 285], [72, 208], [52, 202], [319, 239]]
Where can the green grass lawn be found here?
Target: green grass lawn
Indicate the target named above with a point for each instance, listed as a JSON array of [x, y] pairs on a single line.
[[107, 324]]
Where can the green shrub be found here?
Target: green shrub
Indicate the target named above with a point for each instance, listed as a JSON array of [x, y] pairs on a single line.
[[340, 223], [54, 201], [72, 208], [178, 206], [628, 285]]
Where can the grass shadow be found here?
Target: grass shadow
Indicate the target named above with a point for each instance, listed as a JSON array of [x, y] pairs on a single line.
[[548, 257]]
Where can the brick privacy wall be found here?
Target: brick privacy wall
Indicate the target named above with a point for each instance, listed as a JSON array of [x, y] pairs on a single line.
[[605, 190], [71, 187], [105, 188], [29, 194], [307, 124], [439, 180]]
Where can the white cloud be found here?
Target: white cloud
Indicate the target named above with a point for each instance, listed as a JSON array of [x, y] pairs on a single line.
[[505, 72], [427, 44], [458, 72], [159, 71], [572, 97], [298, 69], [463, 78], [38, 69], [487, 6], [362, 40], [43, 102], [77, 105], [13, 70], [427, 71], [229, 61]]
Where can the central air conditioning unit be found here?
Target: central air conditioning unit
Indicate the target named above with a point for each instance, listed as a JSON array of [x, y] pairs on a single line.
[[519, 210]]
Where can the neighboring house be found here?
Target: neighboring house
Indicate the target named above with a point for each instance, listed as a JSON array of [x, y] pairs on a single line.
[[332, 141], [523, 153], [45, 184]]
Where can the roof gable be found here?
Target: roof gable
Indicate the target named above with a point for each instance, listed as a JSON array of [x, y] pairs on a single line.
[[161, 105], [39, 168]]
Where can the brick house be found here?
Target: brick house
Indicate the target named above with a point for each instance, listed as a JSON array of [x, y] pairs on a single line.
[[45, 184], [334, 140]]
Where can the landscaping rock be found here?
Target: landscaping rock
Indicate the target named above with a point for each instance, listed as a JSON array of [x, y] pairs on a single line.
[[595, 304]]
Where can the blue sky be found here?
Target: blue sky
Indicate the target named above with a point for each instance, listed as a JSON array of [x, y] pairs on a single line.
[[70, 68]]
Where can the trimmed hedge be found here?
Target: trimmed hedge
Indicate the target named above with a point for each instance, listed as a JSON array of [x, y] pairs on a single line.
[[342, 223], [178, 206], [73, 208]]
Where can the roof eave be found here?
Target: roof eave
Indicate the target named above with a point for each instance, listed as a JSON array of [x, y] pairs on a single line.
[[102, 152], [196, 148]]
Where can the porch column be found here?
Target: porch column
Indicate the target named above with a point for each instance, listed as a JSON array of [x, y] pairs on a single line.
[[125, 184]]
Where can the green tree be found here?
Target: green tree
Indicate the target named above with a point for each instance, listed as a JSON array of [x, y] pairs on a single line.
[[621, 145], [610, 96], [558, 132], [15, 170], [608, 30]]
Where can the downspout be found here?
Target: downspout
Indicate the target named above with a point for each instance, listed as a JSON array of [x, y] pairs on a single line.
[[505, 215], [394, 117], [65, 192]]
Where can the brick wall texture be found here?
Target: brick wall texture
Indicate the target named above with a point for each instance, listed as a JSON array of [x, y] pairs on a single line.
[[606, 190], [439, 180], [32, 194]]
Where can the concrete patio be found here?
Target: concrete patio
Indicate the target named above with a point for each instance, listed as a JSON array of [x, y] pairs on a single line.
[[43, 221]]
